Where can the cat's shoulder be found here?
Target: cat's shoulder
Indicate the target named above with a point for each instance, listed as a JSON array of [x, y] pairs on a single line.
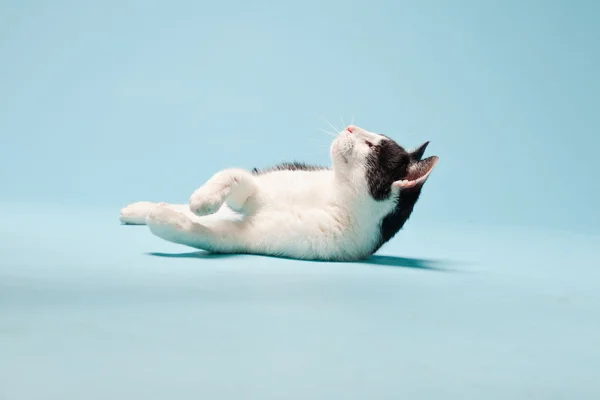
[[289, 166]]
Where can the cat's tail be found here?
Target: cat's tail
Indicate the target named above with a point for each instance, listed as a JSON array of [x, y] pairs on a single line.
[[136, 213]]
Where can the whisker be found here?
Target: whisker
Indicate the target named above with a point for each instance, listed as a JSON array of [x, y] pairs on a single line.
[[327, 132], [332, 126], [352, 120], [329, 123]]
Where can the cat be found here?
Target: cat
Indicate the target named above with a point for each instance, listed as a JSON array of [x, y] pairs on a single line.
[[345, 212]]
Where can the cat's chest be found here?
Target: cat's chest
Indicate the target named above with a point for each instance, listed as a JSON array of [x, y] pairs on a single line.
[[298, 188]]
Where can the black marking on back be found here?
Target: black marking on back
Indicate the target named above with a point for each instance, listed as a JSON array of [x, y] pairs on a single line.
[[289, 166]]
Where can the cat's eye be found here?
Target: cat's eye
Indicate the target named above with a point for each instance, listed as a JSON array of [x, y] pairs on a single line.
[[369, 143]]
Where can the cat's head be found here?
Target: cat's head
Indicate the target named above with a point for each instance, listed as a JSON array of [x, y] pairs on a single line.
[[378, 163]]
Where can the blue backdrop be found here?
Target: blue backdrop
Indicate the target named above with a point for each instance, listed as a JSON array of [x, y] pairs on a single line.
[[108, 102]]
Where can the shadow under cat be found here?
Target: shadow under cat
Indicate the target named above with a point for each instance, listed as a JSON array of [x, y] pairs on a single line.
[[379, 260]]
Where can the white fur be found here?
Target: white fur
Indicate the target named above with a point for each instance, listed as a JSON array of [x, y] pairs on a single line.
[[319, 215]]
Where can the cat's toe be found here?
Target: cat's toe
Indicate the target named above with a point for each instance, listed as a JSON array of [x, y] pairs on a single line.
[[136, 213]]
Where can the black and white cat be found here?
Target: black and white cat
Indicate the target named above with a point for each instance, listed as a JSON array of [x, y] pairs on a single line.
[[342, 213]]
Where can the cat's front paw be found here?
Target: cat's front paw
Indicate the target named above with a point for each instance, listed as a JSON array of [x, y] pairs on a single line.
[[205, 205]]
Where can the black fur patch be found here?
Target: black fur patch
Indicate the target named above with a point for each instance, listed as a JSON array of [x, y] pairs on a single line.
[[289, 166], [387, 163], [394, 221]]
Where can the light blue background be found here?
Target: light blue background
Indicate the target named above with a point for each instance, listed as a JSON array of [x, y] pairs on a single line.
[[104, 103]]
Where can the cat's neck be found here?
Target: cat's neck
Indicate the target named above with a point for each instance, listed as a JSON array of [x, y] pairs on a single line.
[[357, 200]]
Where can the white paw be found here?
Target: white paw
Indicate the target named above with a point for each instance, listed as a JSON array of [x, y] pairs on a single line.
[[136, 213], [163, 214], [205, 205], [168, 223]]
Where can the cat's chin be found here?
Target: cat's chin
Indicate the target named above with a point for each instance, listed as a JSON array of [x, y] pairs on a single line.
[[341, 148]]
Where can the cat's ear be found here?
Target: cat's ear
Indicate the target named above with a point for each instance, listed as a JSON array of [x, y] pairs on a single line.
[[418, 172], [417, 154]]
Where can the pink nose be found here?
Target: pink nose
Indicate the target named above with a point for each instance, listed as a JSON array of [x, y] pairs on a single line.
[[351, 128]]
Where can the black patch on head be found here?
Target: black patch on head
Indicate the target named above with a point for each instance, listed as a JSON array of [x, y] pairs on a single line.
[[388, 162], [289, 166]]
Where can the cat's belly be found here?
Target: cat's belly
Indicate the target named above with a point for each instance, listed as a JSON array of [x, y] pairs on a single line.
[[325, 234], [302, 216]]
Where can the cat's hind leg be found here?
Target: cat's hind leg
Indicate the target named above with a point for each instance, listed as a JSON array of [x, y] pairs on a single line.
[[234, 186], [136, 213], [178, 225]]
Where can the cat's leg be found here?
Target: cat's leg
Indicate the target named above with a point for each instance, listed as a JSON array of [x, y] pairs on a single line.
[[136, 213], [235, 186], [178, 225]]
